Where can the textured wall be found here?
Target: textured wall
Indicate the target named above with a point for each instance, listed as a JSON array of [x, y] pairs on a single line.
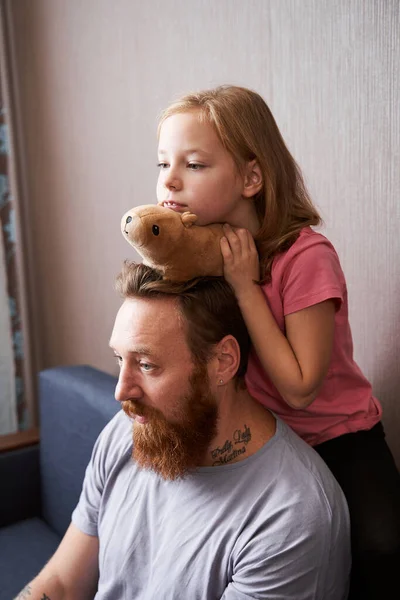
[[92, 77]]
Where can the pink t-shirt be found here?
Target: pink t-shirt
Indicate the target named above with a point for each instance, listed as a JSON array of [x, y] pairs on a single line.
[[306, 274]]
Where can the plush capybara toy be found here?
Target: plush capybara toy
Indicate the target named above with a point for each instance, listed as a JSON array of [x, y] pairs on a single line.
[[171, 243]]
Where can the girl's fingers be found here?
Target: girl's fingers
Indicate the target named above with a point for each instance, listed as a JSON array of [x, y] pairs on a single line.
[[225, 249], [235, 240], [240, 240], [252, 244], [248, 244], [245, 238]]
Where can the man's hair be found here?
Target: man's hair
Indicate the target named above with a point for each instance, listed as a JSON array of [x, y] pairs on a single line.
[[207, 304]]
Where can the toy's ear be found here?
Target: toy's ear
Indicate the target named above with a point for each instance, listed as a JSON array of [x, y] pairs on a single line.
[[188, 218]]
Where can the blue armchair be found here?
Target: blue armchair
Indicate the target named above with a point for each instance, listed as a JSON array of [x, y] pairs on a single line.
[[40, 484]]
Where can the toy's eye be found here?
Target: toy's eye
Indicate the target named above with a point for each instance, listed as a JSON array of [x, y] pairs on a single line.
[[156, 230]]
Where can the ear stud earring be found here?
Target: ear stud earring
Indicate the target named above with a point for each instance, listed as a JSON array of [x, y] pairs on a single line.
[[221, 381]]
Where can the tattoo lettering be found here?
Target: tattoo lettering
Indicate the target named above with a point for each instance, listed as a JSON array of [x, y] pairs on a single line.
[[219, 451], [224, 459], [224, 455], [242, 437], [24, 593]]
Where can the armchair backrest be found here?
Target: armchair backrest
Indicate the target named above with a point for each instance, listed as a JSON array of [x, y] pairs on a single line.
[[75, 404]]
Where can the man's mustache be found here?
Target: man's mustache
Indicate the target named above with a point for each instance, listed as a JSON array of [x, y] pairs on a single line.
[[135, 407]]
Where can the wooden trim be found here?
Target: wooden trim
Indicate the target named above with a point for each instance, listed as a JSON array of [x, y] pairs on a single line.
[[21, 439]]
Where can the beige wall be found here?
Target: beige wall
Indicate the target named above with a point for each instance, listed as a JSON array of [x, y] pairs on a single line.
[[92, 77]]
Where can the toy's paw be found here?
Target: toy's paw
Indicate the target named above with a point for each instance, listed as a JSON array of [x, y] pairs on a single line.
[[188, 218]]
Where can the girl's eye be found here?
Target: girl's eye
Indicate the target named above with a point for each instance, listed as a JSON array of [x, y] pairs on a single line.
[[162, 165], [195, 166]]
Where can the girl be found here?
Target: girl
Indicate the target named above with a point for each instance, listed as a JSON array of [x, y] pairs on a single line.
[[221, 156]]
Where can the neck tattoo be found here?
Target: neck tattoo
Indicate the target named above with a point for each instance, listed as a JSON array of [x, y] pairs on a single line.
[[233, 448]]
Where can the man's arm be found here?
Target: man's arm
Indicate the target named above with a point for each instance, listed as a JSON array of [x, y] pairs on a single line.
[[71, 574]]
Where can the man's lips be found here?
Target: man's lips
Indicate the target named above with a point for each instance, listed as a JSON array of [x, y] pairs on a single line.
[[139, 419]]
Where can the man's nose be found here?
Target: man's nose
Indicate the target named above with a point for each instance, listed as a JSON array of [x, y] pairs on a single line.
[[127, 388]]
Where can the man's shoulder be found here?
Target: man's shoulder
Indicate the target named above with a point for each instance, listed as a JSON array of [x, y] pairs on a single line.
[[302, 467], [116, 438], [119, 425]]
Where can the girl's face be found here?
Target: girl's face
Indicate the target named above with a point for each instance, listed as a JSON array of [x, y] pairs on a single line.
[[197, 173]]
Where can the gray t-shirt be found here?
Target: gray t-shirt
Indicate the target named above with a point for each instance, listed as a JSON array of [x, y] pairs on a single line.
[[272, 526]]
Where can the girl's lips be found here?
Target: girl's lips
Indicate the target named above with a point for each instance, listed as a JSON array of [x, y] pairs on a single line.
[[174, 205]]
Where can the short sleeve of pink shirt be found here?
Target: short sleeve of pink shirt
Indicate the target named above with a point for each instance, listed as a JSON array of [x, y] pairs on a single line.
[[307, 274]]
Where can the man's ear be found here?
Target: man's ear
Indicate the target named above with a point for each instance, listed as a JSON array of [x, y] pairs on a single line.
[[228, 359], [253, 179]]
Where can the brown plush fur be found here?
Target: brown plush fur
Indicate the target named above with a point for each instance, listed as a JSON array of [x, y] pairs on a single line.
[[171, 243]]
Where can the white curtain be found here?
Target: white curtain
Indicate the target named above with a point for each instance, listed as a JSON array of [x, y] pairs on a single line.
[[8, 410]]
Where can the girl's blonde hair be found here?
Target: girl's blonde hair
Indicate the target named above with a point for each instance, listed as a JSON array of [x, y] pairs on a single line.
[[248, 131]]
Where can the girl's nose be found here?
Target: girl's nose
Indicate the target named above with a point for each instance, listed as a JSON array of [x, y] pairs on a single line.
[[172, 181]]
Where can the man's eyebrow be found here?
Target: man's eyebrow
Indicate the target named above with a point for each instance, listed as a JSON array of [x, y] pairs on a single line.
[[142, 350]]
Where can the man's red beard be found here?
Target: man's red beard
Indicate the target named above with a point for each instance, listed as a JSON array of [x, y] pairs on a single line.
[[172, 449]]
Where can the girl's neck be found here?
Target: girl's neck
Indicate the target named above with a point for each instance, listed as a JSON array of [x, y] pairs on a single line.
[[246, 217]]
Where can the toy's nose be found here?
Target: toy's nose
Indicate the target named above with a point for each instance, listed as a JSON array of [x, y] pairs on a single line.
[[133, 229]]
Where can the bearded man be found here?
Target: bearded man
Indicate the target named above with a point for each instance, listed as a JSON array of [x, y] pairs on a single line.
[[194, 490]]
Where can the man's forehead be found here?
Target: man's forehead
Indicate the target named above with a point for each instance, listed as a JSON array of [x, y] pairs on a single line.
[[148, 321]]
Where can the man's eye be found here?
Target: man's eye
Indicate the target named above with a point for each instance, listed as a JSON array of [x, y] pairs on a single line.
[[162, 165], [146, 366], [118, 359]]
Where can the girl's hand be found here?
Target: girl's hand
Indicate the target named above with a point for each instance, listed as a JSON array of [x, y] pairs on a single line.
[[241, 261]]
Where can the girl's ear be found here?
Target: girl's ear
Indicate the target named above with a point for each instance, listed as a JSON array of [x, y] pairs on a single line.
[[253, 179]]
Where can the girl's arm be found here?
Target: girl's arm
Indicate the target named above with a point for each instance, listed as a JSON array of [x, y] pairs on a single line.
[[297, 363]]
